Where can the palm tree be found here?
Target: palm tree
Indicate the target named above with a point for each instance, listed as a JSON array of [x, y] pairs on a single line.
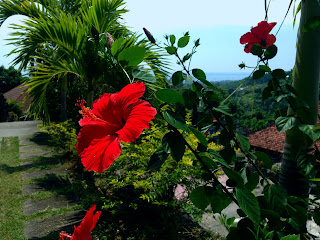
[[70, 41], [306, 84]]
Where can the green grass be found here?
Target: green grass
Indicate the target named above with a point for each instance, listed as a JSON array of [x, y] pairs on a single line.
[[11, 211]]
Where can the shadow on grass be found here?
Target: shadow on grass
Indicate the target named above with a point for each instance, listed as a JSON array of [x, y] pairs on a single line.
[[41, 138], [41, 163]]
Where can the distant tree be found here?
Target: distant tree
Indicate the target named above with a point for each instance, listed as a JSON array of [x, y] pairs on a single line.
[[9, 78]]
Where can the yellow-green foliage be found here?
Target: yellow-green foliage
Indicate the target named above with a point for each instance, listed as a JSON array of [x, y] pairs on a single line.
[[155, 186], [62, 135]]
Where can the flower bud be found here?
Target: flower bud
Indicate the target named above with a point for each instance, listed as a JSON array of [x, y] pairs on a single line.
[[149, 35], [110, 40]]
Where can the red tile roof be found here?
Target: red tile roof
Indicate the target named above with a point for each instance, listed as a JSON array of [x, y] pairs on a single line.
[[18, 93], [268, 139]]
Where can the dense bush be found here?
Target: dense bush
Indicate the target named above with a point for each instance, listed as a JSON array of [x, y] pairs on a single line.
[[14, 109], [138, 202]]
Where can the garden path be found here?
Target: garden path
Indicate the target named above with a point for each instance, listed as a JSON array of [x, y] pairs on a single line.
[[49, 206]]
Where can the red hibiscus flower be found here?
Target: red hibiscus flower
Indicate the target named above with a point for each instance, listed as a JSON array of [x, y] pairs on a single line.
[[114, 117], [83, 232], [259, 35]]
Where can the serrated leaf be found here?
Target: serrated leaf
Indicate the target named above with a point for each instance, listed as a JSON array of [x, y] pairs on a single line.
[[218, 158], [233, 175], [177, 78], [212, 165], [158, 158], [286, 123], [276, 196], [264, 158], [258, 74], [174, 121], [143, 76], [200, 136], [175, 142], [244, 142], [200, 196], [132, 56], [169, 96], [200, 75], [183, 41], [271, 52], [249, 204], [171, 50]]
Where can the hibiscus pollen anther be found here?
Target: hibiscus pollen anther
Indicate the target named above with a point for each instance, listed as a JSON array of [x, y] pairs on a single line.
[[85, 111]]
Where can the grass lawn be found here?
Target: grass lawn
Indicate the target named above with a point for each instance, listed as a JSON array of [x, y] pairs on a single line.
[[11, 213]]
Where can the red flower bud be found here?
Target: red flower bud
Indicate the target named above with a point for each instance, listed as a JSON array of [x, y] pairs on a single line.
[[149, 35]]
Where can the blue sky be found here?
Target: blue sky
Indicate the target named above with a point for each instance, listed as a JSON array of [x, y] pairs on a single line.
[[218, 24]]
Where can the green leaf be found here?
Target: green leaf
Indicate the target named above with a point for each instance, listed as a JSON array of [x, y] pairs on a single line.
[[209, 163], [186, 57], [311, 131], [132, 56], [311, 24], [200, 136], [249, 204], [222, 109], [177, 78], [264, 68], [116, 46], [158, 158], [169, 96], [172, 39], [143, 76], [316, 216], [233, 175], [190, 98], [258, 74], [171, 50], [279, 74], [306, 163], [253, 181], [175, 142], [244, 142], [212, 97], [256, 50], [200, 75], [174, 120], [286, 123], [291, 237], [183, 41], [276, 196], [271, 52], [264, 158], [200, 196], [267, 93], [218, 158]]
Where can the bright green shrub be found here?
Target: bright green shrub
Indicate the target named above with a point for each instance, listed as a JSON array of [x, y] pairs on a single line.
[[14, 109], [62, 136]]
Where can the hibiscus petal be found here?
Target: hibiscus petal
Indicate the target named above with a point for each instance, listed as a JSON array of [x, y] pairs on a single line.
[[138, 117], [271, 39], [247, 38], [129, 94], [92, 130], [101, 153]]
